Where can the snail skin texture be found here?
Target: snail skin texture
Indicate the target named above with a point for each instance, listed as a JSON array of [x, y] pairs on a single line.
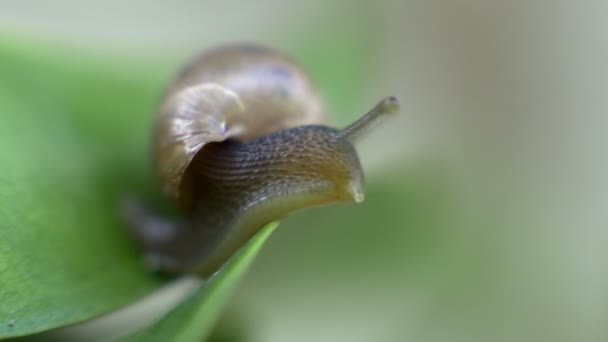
[[239, 142]]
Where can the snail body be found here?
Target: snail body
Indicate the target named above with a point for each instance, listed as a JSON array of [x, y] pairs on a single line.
[[240, 141]]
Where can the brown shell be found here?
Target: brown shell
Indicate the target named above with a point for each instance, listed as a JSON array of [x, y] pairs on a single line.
[[238, 91]]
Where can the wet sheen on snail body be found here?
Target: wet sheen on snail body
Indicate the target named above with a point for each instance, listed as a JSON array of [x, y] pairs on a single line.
[[240, 141]]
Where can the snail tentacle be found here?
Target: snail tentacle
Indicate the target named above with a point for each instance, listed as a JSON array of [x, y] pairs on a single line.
[[384, 108]]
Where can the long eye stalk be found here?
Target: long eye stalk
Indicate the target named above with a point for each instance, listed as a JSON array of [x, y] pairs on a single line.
[[386, 107]]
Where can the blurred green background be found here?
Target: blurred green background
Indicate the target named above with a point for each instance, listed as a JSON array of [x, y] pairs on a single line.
[[485, 211]]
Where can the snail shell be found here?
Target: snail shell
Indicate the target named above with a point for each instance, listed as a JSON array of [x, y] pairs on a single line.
[[241, 92]]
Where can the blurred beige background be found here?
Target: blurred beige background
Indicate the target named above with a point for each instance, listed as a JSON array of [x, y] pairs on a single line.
[[487, 196]]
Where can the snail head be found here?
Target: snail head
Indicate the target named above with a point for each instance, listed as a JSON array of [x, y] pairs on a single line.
[[318, 162]]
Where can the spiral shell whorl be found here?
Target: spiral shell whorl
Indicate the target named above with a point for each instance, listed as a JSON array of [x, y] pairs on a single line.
[[238, 91]]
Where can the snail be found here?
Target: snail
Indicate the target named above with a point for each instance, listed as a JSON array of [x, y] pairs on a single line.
[[239, 141]]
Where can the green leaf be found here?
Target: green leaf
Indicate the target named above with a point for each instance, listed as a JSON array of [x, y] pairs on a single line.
[[73, 140], [194, 318], [74, 137]]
